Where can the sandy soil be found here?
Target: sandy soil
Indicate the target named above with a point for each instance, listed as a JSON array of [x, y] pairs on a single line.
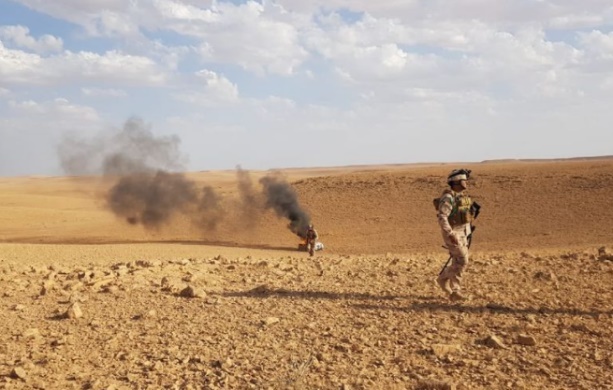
[[92, 302]]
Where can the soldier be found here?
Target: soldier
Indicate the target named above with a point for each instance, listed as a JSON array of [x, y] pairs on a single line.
[[455, 214], [311, 237]]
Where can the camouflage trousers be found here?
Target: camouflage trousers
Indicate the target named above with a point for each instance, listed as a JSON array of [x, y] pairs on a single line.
[[311, 246], [459, 258]]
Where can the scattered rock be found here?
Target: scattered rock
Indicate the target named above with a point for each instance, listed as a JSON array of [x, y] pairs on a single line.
[[441, 351], [102, 282], [493, 342], [74, 311], [545, 276], [149, 314], [261, 289], [165, 283], [18, 307], [110, 289], [270, 321], [73, 286], [47, 286], [604, 254], [192, 292], [146, 263], [19, 373], [526, 340]]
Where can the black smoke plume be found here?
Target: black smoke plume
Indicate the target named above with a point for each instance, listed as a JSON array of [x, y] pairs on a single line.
[[146, 191], [150, 190], [281, 197], [151, 200]]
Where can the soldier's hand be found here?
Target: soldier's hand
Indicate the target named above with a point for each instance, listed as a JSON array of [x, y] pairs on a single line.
[[454, 239]]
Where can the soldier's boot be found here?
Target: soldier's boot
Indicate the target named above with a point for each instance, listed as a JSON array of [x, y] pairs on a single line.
[[443, 283], [457, 296]]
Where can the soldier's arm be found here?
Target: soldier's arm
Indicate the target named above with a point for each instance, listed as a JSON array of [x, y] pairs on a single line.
[[444, 211], [315, 235]]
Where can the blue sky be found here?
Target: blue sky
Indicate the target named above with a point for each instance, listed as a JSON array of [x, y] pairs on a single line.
[[287, 83]]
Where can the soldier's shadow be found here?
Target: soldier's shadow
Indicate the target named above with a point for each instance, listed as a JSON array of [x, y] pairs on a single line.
[[264, 292], [420, 303], [487, 309]]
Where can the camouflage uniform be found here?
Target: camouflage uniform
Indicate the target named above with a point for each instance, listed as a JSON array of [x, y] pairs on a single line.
[[452, 274], [311, 237]]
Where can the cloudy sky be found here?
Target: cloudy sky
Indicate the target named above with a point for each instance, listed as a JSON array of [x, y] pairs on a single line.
[[286, 83]]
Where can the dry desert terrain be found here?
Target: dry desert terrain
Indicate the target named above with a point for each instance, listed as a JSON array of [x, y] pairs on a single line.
[[90, 301]]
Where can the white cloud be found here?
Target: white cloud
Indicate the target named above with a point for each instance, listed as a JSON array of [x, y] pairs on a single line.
[[103, 92], [218, 85], [4, 92], [20, 36], [260, 37], [97, 17], [214, 90], [598, 42], [25, 68], [551, 13]]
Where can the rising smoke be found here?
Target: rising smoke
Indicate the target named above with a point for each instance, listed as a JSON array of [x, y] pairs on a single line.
[[281, 197], [250, 202], [133, 149], [150, 190]]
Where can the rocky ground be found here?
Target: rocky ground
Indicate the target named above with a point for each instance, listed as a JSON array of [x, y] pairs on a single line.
[[181, 315], [292, 322]]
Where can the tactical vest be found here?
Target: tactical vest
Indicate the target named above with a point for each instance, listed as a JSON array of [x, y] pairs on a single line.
[[461, 212]]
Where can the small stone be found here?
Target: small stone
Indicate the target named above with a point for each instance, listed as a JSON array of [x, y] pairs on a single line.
[[270, 321], [165, 283], [604, 254], [102, 283], [18, 307], [598, 356], [494, 342], [526, 340], [443, 350], [19, 373], [261, 289], [191, 292], [145, 263], [74, 311], [110, 289], [46, 287]]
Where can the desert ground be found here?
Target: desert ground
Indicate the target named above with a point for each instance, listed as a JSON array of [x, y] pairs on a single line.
[[89, 301]]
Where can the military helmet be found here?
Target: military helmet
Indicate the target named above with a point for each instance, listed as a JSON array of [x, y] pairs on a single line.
[[458, 174]]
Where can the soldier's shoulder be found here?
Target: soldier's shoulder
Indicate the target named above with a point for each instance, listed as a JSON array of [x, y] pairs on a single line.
[[447, 194]]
